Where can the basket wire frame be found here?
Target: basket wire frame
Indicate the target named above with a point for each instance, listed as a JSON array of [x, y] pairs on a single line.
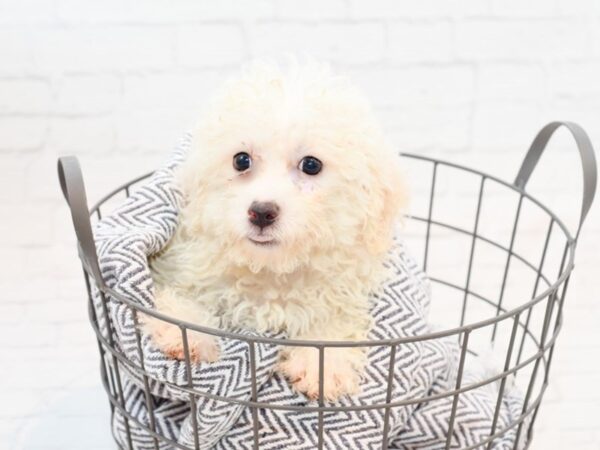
[[529, 344]]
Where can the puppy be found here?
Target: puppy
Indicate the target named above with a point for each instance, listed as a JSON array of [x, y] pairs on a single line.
[[291, 195]]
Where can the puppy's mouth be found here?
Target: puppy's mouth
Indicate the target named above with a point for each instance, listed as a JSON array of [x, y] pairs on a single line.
[[262, 240]]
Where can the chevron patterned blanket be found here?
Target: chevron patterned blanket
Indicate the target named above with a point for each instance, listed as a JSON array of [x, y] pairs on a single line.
[[142, 225]]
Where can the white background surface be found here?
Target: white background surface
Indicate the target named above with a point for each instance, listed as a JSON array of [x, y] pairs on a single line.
[[116, 82]]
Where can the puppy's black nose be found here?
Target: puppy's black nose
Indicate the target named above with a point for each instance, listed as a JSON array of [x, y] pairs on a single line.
[[263, 214]]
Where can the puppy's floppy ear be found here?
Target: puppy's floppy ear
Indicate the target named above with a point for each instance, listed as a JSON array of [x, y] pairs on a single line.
[[388, 196]]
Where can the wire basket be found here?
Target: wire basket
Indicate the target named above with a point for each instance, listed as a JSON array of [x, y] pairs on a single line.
[[506, 284]]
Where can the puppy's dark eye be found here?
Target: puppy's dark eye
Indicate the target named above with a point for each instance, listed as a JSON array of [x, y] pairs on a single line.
[[310, 165], [242, 161]]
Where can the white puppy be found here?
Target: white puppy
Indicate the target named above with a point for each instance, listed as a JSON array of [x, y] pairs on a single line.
[[291, 194]]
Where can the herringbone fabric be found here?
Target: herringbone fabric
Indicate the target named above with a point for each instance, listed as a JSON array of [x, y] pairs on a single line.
[[142, 225]]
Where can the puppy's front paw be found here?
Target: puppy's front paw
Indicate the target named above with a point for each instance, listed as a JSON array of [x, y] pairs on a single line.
[[341, 375], [168, 339]]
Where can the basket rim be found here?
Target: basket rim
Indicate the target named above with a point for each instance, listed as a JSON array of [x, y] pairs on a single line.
[[567, 266]]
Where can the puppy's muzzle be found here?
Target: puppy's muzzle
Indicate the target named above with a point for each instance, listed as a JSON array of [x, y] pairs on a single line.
[[263, 214]]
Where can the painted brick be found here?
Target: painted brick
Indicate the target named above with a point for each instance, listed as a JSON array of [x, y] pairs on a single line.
[[117, 49], [189, 89], [516, 8], [417, 86], [420, 41], [16, 52], [196, 45], [136, 130], [511, 82], [312, 9], [79, 135], [27, 12], [520, 40], [22, 133], [25, 96], [383, 9], [575, 80], [343, 43], [155, 12], [21, 225], [87, 94], [12, 184]]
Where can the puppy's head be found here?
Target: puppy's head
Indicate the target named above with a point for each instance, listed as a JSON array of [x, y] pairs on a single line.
[[288, 166]]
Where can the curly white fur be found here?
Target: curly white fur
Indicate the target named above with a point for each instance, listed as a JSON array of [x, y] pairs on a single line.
[[329, 238]]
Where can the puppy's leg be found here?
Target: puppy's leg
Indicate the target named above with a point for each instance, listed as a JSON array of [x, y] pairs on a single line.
[[342, 369], [168, 337]]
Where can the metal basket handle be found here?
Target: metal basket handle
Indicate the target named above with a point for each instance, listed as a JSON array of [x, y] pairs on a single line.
[[588, 162], [73, 188]]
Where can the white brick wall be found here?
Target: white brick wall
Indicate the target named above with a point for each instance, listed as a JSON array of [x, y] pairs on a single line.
[[116, 82]]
